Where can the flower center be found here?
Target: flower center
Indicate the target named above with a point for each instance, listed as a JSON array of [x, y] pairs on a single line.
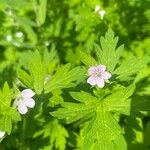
[[98, 74]]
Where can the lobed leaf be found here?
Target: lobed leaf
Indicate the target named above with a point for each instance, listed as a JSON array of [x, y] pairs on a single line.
[[42, 11], [63, 78], [103, 131], [87, 59], [25, 78], [37, 70], [108, 54], [131, 67], [119, 102], [8, 114]]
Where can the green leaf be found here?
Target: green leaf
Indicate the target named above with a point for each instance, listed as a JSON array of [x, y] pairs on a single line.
[[122, 104], [27, 24], [108, 54], [50, 59], [63, 78], [116, 102], [90, 43], [55, 100], [103, 131], [6, 94], [37, 70], [57, 134], [131, 67], [42, 11], [58, 139], [7, 117], [6, 124], [87, 59], [25, 78], [75, 111], [144, 73], [7, 113], [16, 4]]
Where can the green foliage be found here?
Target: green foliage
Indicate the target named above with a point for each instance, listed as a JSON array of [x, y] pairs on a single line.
[[131, 67], [8, 114], [108, 54], [27, 24], [87, 59], [103, 131], [41, 16], [64, 78], [56, 133], [48, 46], [25, 78], [37, 74], [37, 71], [102, 134]]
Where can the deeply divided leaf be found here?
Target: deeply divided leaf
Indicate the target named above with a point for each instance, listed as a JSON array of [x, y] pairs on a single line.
[[64, 78], [108, 54]]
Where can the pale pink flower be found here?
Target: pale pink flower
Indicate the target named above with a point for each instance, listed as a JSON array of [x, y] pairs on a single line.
[[2, 133], [98, 75], [25, 100]]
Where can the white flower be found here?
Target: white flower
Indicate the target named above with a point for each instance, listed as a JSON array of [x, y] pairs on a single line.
[[9, 38], [97, 8], [102, 13], [2, 133], [16, 44], [19, 34], [25, 100], [98, 75]]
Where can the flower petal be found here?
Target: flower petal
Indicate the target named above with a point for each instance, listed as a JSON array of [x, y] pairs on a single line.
[[106, 75], [92, 70], [22, 108], [2, 133], [29, 102], [101, 68], [102, 13], [97, 8], [92, 80], [100, 83], [27, 93]]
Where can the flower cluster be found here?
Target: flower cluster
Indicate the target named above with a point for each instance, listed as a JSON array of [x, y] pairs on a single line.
[[98, 75], [100, 11]]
